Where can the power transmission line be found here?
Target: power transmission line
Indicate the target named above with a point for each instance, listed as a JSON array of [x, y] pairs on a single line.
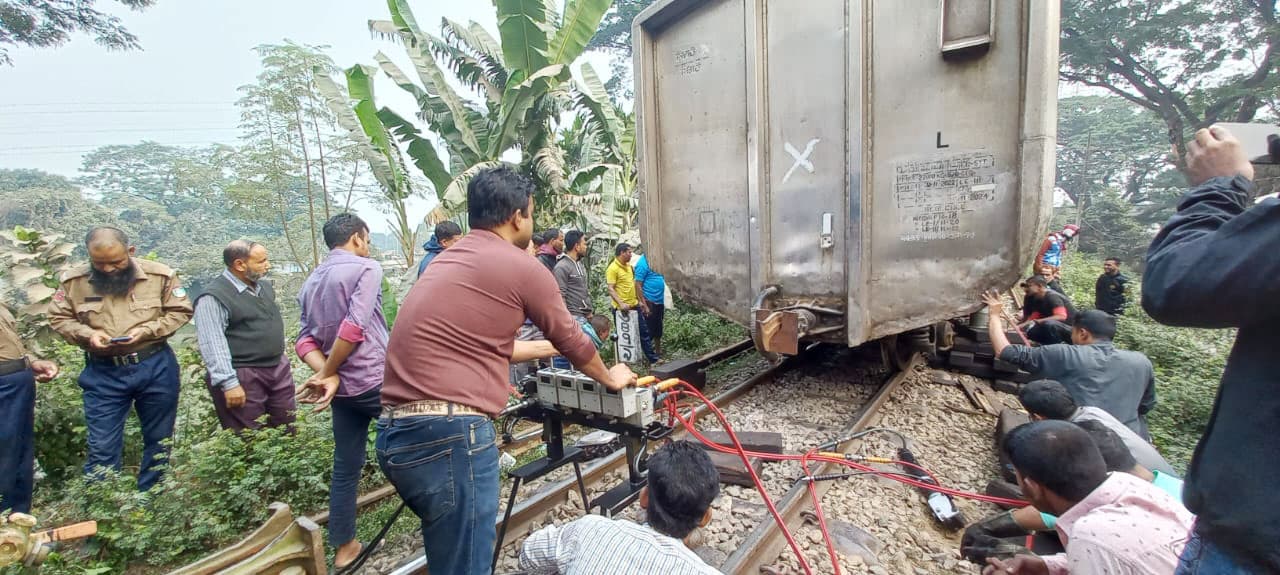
[[90, 147], [60, 131], [122, 111], [120, 103]]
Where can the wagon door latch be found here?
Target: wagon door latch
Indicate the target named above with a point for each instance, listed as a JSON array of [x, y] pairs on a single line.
[[826, 240]]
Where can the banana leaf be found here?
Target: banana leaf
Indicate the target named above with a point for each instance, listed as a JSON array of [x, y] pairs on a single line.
[[455, 195], [580, 22], [420, 150], [524, 30], [518, 100], [602, 117]]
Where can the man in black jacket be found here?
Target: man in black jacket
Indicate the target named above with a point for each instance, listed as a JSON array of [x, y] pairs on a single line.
[[1109, 293], [1214, 265], [551, 248]]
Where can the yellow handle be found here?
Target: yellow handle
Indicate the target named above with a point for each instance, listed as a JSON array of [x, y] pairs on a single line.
[[646, 381], [852, 457], [667, 384]]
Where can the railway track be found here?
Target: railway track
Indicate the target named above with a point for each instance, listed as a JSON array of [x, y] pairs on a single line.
[[562, 494], [810, 399], [529, 436]]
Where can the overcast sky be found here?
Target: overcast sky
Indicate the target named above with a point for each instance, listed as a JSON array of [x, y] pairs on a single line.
[[180, 89]]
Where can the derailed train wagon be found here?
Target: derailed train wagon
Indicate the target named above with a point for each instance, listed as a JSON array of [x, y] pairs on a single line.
[[844, 170]]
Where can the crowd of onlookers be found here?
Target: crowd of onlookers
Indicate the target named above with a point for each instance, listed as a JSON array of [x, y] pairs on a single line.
[[501, 295], [1085, 462]]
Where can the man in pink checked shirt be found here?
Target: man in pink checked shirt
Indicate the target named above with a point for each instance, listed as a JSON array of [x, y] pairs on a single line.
[[1109, 523], [344, 340]]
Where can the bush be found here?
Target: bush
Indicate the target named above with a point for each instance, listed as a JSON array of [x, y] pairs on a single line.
[[216, 489], [218, 484], [1188, 362], [687, 330]]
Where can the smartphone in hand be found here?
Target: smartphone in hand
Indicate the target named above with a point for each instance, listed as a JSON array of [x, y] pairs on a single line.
[[119, 339]]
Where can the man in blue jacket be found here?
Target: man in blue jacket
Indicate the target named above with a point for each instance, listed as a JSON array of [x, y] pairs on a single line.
[[1214, 265], [446, 233]]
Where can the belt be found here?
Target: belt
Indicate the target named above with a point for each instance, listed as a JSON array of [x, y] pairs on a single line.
[[429, 407], [13, 366], [129, 358]]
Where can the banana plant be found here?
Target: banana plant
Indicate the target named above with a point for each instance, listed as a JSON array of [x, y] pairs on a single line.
[[355, 112], [32, 264], [520, 81], [604, 186]]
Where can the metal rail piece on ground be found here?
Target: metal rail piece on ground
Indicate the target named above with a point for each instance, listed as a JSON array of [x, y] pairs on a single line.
[[284, 545], [763, 545]]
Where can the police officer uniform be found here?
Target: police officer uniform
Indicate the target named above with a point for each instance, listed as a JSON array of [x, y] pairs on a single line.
[[143, 374], [17, 419]]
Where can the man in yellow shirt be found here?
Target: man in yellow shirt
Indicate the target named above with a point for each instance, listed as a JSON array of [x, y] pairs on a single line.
[[621, 281]]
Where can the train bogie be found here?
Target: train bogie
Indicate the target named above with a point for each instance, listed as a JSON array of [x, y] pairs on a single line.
[[844, 170]]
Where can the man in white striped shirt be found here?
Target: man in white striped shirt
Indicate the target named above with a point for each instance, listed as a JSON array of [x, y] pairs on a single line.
[[682, 484]]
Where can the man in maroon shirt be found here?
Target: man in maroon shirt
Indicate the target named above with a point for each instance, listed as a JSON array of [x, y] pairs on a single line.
[[447, 364]]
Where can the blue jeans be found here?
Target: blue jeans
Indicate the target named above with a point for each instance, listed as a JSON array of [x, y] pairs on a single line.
[[351, 419], [151, 388], [446, 469], [1202, 557], [17, 440]]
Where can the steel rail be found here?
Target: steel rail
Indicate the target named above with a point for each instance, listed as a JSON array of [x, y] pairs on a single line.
[[522, 442], [763, 545], [530, 510]]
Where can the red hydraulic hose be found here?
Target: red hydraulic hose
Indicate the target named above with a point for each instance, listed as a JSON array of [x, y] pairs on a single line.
[[896, 477], [742, 452], [674, 414], [817, 510]]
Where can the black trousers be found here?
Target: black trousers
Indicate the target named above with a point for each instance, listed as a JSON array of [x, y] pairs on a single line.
[[657, 312], [1049, 332]]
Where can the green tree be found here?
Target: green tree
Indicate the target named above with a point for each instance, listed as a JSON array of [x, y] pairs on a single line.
[[53, 204], [521, 90], [1110, 227], [50, 23], [521, 79], [614, 37], [158, 176], [1108, 145], [287, 157], [354, 111], [1190, 62], [600, 150], [1106, 142], [25, 179]]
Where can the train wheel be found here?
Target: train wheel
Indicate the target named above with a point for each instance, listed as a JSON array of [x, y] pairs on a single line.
[[895, 353]]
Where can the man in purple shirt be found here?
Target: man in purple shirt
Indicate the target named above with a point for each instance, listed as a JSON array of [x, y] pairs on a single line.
[[344, 340]]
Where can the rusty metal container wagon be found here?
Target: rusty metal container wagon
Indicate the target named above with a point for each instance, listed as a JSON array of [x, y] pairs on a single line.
[[844, 170]]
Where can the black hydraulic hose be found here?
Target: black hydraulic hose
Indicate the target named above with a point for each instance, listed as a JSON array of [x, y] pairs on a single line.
[[367, 552]]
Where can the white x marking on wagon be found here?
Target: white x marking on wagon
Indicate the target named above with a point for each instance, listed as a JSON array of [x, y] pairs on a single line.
[[802, 158]]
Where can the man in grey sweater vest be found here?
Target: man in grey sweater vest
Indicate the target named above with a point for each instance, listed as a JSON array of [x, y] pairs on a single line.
[[241, 336]]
